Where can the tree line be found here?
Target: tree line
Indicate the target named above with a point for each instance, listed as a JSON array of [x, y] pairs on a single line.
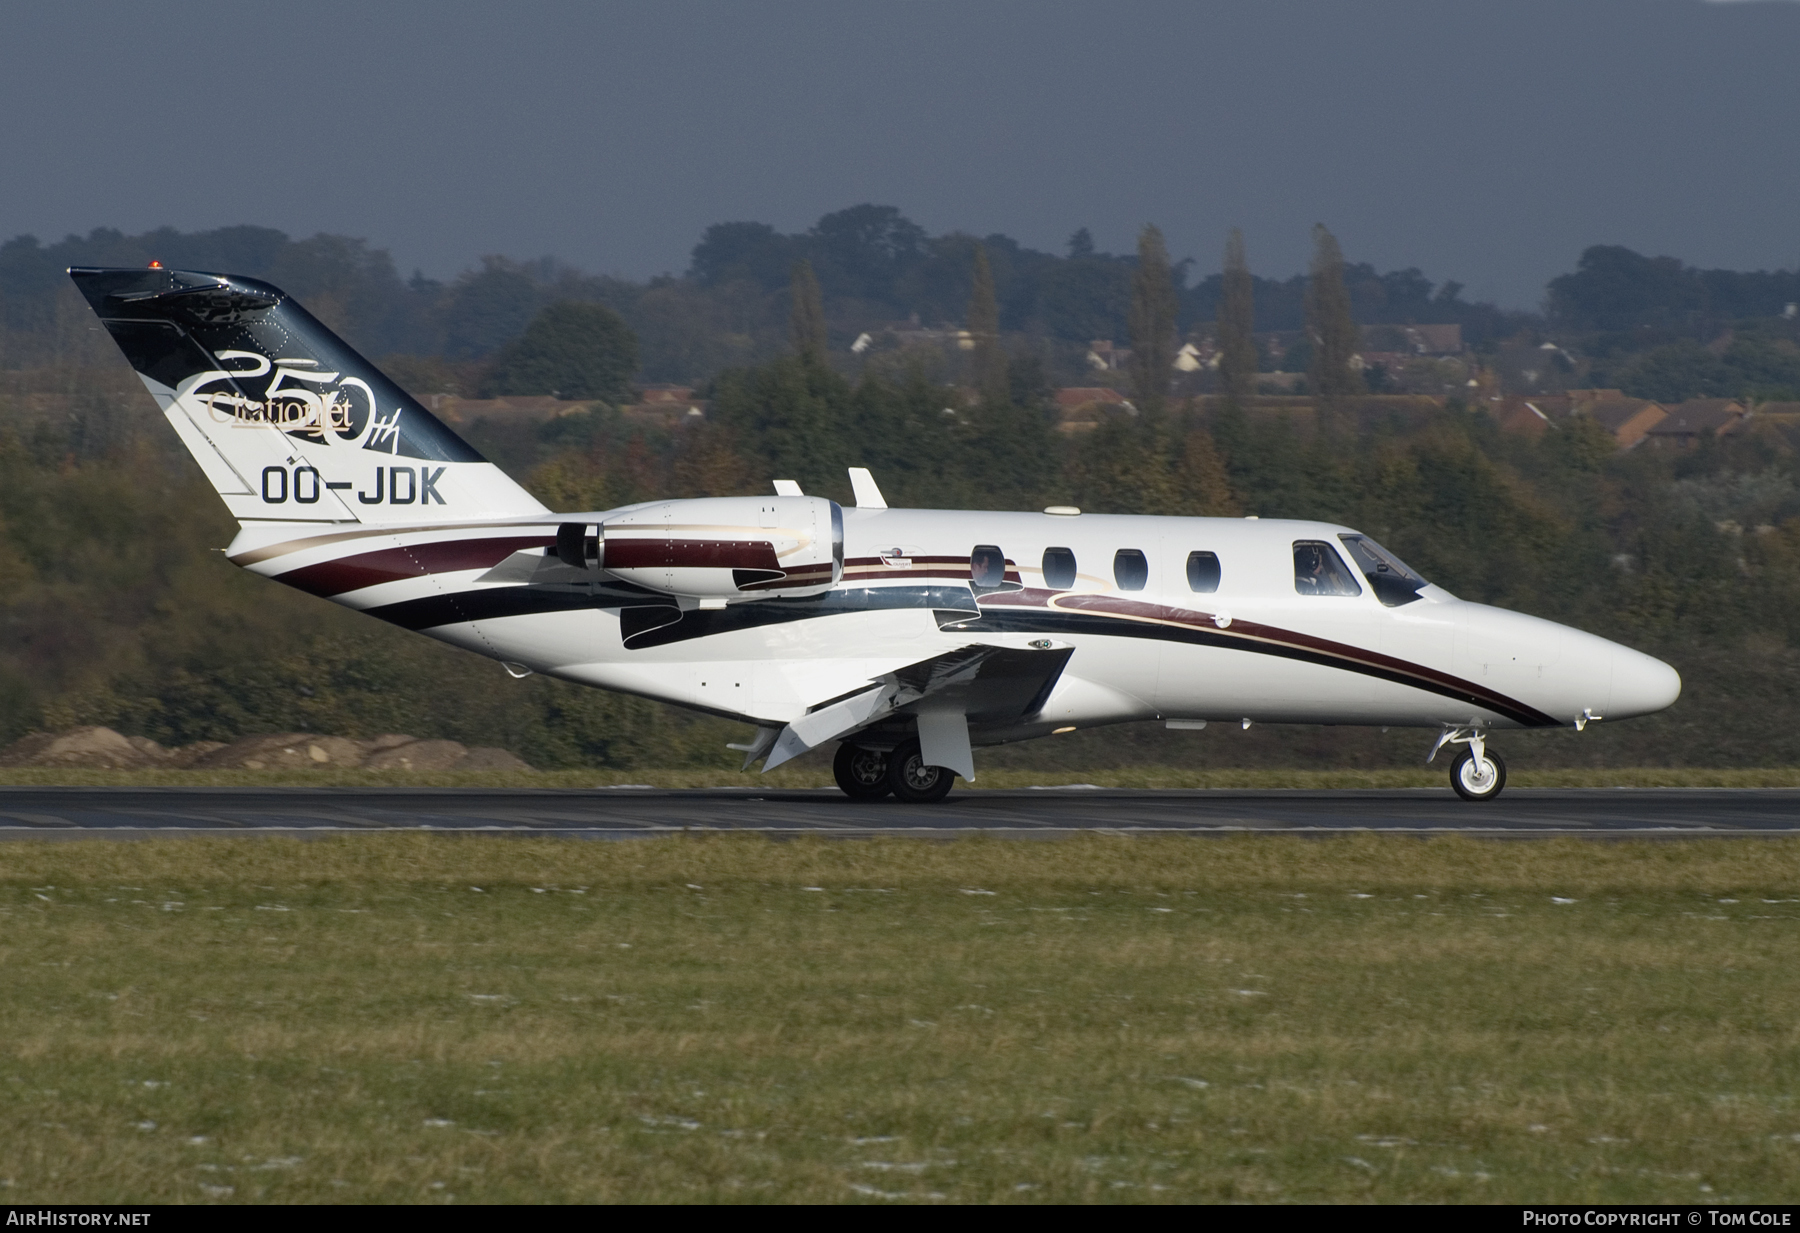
[[1652, 326], [728, 308]]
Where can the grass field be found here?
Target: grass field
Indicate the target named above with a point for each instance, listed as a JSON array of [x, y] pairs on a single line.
[[415, 1018], [815, 773]]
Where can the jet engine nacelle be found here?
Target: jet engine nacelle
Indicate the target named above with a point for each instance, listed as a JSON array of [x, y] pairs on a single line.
[[716, 548]]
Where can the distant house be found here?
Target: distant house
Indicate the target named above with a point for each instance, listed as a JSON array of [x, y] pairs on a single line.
[[1105, 357], [668, 405], [1523, 416], [1627, 419], [1697, 419], [1082, 408]]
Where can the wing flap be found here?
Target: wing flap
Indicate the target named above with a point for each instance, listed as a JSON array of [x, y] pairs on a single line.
[[973, 685]]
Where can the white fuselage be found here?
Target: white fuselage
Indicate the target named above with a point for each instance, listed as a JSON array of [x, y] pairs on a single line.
[[1260, 647]]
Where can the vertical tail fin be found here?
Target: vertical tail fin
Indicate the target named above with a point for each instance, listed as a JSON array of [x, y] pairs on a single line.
[[287, 421]]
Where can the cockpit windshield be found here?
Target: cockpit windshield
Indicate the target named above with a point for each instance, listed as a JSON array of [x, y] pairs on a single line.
[[1317, 570], [1394, 583]]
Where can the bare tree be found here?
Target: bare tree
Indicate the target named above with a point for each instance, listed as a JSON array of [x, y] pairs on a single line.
[[1329, 323], [984, 325], [1237, 324], [806, 313], [1154, 305]]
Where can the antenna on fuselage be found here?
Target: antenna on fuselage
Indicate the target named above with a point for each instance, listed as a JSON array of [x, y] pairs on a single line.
[[788, 488]]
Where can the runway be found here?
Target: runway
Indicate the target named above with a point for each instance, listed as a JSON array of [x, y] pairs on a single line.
[[619, 813]]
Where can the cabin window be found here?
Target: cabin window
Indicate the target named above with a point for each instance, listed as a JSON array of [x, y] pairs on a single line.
[[1320, 571], [1059, 568], [987, 567], [1393, 583], [1130, 570], [1203, 572]]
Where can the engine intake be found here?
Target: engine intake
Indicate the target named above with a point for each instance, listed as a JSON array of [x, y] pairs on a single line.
[[578, 545]]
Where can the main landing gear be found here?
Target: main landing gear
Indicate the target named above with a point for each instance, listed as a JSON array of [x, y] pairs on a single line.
[[870, 774], [861, 773], [1477, 773]]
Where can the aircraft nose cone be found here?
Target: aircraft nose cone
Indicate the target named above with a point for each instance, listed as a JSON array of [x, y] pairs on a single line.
[[1641, 685]]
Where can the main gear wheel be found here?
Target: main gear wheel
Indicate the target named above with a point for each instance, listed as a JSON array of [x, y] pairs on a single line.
[[911, 780], [861, 773]]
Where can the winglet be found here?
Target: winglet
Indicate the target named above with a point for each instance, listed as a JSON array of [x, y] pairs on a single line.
[[788, 488], [868, 496]]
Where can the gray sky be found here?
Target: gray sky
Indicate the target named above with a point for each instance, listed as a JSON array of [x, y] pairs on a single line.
[[1486, 142]]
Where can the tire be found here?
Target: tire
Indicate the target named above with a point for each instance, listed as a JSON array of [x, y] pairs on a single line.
[[861, 773], [1474, 783], [912, 781]]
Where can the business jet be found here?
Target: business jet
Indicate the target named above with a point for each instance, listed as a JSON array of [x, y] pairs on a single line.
[[908, 638]]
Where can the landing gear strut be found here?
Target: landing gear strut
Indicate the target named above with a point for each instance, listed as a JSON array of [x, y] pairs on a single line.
[[1478, 773], [861, 773]]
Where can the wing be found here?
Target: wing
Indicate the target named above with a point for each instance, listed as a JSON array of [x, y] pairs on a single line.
[[979, 686]]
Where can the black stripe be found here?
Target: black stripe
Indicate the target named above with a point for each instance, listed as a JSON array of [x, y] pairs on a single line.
[[1015, 621], [494, 603]]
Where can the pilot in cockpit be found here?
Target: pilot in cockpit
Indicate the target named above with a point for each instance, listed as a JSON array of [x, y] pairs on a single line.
[[1317, 571]]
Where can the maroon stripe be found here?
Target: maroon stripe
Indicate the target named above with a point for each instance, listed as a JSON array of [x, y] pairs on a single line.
[[367, 569], [916, 560], [1323, 646], [961, 575], [654, 553]]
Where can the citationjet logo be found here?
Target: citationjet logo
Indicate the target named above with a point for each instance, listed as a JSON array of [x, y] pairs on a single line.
[[297, 397]]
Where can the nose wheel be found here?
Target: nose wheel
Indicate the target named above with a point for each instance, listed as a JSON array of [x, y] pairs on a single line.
[[1478, 777], [1478, 773]]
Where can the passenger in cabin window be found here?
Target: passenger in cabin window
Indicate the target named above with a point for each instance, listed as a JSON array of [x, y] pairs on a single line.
[[1130, 569], [987, 567], [1319, 571]]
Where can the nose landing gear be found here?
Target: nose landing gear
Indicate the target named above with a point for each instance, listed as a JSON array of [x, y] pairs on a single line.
[[1478, 773], [1478, 778]]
